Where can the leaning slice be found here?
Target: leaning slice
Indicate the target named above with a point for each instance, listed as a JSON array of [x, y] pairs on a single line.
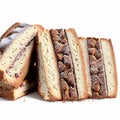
[[110, 66], [48, 75], [78, 62], [83, 44], [16, 46]]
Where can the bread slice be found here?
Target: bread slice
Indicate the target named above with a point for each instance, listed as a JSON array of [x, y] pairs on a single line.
[[48, 75], [83, 44], [110, 67], [78, 62], [102, 80], [16, 46]]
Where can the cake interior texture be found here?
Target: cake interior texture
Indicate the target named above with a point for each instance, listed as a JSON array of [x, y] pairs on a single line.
[[48, 76], [14, 61]]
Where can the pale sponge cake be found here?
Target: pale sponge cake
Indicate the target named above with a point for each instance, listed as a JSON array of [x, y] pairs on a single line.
[[83, 44], [48, 75], [110, 66], [78, 62], [16, 46], [17, 55]]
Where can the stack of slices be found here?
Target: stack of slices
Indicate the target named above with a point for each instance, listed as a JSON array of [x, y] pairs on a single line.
[[72, 68], [65, 66], [17, 75]]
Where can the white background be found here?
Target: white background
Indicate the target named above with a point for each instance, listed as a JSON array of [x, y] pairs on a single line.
[[99, 18]]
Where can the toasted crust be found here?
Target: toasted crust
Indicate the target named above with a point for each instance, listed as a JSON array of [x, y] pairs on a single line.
[[83, 44], [46, 89], [15, 93], [110, 66], [4, 80], [40, 28], [82, 93]]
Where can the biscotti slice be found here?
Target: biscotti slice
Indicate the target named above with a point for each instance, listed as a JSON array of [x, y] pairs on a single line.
[[100, 65], [83, 44], [16, 46], [48, 75], [78, 62], [110, 67]]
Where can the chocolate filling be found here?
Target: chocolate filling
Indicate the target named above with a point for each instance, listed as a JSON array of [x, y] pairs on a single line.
[[97, 68], [65, 65]]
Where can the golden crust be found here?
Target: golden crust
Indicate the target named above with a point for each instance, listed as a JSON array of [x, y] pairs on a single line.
[[19, 80], [40, 28], [10, 93]]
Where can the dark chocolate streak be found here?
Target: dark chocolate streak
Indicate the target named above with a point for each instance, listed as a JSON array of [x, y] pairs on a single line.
[[97, 68], [17, 58], [65, 65]]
